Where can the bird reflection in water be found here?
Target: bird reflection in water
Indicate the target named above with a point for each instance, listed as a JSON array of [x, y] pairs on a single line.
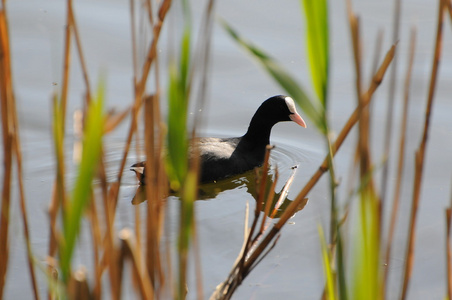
[[209, 191]]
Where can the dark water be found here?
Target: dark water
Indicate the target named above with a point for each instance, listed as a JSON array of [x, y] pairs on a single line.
[[293, 270]]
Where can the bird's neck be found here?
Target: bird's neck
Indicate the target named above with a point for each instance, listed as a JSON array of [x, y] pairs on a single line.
[[258, 132]]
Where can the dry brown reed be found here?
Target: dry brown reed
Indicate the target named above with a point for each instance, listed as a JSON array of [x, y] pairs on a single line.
[[284, 192], [449, 9], [449, 218], [390, 105], [59, 194], [241, 268], [401, 156], [363, 110], [155, 176], [448, 251], [107, 255], [11, 152], [141, 252], [420, 153]]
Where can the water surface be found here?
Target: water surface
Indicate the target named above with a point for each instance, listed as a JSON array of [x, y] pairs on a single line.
[[293, 269]]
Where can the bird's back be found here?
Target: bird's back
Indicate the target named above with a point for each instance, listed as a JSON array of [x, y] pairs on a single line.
[[221, 158]]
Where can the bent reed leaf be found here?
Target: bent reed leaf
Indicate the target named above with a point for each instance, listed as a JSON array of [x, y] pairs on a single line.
[[283, 78]]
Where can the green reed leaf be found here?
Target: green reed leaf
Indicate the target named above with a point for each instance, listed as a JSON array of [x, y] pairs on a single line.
[[295, 90], [58, 137], [317, 42], [178, 97], [81, 194], [182, 177], [177, 131], [177, 116], [327, 268], [366, 273]]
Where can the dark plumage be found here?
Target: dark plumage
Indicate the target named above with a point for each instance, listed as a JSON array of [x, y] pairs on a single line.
[[224, 157]]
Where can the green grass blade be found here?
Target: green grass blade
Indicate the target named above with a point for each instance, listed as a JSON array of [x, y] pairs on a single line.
[[186, 228], [317, 42], [181, 176], [185, 60], [81, 195], [58, 138], [340, 260], [327, 269], [366, 278], [178, 94], [284, 79], [177, 131]]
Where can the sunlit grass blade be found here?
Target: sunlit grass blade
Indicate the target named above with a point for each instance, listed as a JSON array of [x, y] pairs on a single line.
[[283, 78], [317, 39], [182, 177], [58, 137], [184, 63], [186, 228], [92, 144], [366, 270], [177, 116], [317, 45], [177, 133], [327, 268]]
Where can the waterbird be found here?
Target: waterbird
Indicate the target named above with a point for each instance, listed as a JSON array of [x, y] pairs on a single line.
[[224, 157]]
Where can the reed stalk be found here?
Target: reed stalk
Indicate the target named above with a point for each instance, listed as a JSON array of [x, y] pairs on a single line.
[[12, 150], [141, 82], [400, 165], [59, 111], [78, 44], [7, 132], [448, 251], [420, 153], [449, 9], [390, 104]]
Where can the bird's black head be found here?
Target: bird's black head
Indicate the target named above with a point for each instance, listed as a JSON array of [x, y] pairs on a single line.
[[273, 110], [278, 109]]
